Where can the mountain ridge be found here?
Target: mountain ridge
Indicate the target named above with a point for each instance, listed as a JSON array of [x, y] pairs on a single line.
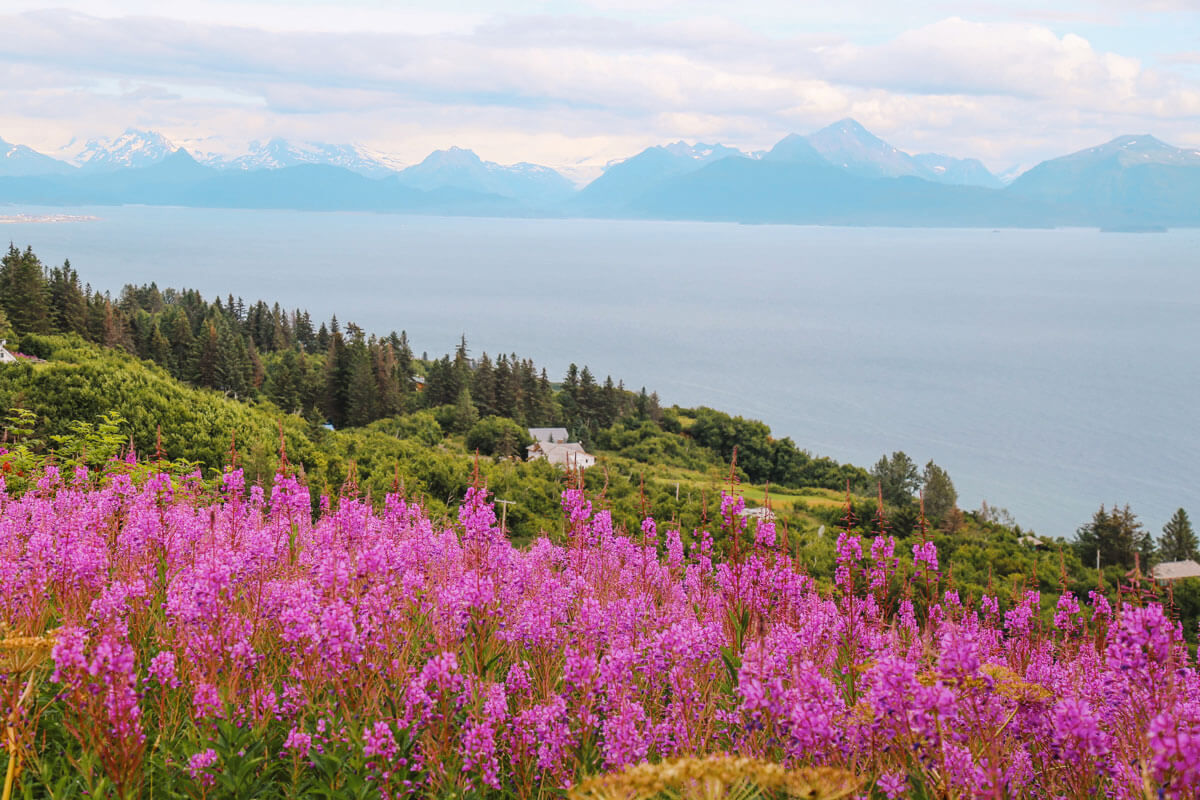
[[841, 174]]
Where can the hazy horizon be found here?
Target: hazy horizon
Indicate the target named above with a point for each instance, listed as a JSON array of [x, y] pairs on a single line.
[[576, 85]]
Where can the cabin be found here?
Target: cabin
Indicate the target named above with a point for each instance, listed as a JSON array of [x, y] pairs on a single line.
[[758, 513], [5, 356], [561, 454], [1169, 571]]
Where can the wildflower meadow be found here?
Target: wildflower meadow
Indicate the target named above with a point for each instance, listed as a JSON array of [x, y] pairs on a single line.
[[166, 637]]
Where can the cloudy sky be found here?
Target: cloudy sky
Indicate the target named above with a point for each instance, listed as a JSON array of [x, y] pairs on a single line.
[[577, 83]]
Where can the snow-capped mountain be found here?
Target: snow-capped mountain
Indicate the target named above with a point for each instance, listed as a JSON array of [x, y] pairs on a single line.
[[277, 153], [17, 161], [458, 168], [849, 145], [133, 148], [701, 152]]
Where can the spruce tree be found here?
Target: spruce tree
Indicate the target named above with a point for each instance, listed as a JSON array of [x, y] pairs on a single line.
[[938, 491], [68, 305], [283, 382], [1178, 542], [6, 330], [465, 413], [23, 291], [1117, 536]]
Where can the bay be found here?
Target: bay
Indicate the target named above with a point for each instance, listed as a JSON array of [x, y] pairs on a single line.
[[1049, 371]]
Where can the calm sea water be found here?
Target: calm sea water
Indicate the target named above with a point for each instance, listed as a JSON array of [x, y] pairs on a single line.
[[1047, 371]]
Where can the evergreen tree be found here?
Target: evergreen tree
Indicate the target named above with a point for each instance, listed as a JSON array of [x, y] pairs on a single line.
[[483, 387], [339, 368], [1178, 542], [23, 293], [302, 329], [465, 413], [361, 393], [389, 399], [897, 478], [208, 348], [283, 382], [234, 367], [281, 330], [179, 332], [938, 491], [68, 305], [158, 349], [6, 330], [507, 398], [1116, 536]]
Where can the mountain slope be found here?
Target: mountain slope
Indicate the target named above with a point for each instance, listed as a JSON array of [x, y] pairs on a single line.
[[796, 149], [637, 175], [461, 169], [958, 171], [179, 180], [1129, 180], [745, 190], [17, 160]]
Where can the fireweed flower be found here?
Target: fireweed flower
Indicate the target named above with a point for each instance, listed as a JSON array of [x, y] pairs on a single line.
[[162, 669], [387, 635], [1066, 617], [925, 557], [200, 766]]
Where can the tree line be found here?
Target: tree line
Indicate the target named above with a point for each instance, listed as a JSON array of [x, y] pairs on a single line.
[[335, 373]]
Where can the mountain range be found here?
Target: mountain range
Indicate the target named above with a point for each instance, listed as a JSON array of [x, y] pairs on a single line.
[[841, 174]]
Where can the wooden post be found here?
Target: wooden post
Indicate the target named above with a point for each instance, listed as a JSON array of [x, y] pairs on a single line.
[[504, 504]]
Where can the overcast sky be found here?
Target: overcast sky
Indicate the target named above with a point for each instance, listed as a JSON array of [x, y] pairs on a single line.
[[582, 82]]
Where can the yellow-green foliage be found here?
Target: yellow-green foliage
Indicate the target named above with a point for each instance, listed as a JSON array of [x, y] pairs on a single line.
[[80, 381]]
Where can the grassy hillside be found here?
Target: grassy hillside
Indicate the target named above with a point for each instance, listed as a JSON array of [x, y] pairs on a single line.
[[641, 472]]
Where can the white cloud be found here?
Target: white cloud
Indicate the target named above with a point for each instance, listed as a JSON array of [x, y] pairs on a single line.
[[572, 90]]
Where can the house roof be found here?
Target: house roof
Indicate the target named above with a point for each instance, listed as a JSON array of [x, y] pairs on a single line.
[[5, 356], [555, 447], [1175, 570], [549, 434]]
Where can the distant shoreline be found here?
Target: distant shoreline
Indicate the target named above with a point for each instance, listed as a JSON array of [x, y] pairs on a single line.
[[25, 219]]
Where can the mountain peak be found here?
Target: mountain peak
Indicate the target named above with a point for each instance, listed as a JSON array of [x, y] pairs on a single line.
[[849, 145], [277, 153], [850, 125], [133, 148], [1133, 149], [700, 151], [453, 155], [795, 148], [17, 160]]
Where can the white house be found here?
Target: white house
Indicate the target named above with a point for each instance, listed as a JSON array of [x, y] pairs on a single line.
[[759, 513], [1175, 570], [561, 454], [5, 356]]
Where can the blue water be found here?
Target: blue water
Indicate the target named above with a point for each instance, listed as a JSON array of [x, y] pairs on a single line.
[[1047, 371]]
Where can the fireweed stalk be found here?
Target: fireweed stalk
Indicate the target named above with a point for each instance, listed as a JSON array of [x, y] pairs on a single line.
[[214, 641]]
